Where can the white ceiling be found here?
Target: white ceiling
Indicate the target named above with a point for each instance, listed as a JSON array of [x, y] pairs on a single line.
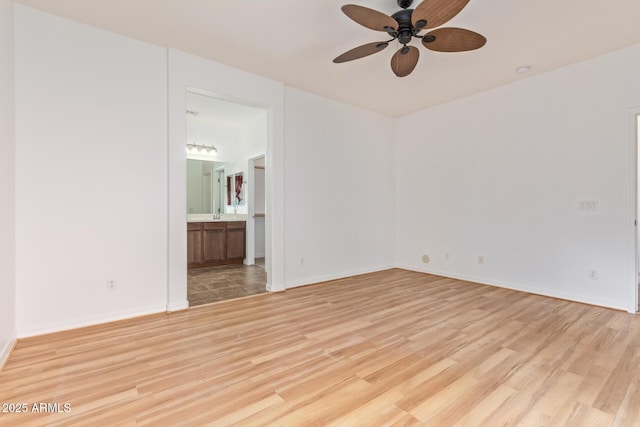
[[295, 41]]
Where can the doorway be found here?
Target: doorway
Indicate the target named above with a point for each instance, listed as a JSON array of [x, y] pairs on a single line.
[[190, 73], [223, 140], [256, 227]]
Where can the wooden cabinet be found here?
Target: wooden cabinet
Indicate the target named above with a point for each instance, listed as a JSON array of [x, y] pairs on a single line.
[[194, 244], [236, 241], [215, 243]]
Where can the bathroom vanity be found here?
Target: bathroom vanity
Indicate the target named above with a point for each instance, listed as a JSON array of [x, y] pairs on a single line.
[[215, 242]]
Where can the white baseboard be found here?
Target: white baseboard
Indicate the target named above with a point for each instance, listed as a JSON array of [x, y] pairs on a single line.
[[343, 275], [275, 288], [90, 321], [517, 287], [177, 306], [110, 317], [5, 352]]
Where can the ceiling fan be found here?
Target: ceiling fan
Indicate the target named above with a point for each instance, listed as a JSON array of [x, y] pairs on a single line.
[[406, 24]]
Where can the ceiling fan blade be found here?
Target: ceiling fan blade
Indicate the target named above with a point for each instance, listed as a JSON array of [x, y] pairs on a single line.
[[370, 18], [404, 60], [361, 51], [453, 40], [437, 12]]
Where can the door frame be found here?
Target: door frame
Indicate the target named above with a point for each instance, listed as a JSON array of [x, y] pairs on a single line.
[[250, 259], [634, 131], [189, 72]]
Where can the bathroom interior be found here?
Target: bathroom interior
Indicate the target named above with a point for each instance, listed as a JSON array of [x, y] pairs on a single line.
[[225, 154]]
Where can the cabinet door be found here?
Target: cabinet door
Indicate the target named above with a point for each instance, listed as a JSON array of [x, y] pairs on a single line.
[[236, 240], [214, 242], [194, 244]]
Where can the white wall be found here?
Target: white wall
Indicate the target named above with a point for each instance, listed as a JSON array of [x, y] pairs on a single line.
[[252, 143], [259, 199], [7, 182], [500, 174], [259, 202], [258, 236], [339, 189], [253, 139], [91, 174]]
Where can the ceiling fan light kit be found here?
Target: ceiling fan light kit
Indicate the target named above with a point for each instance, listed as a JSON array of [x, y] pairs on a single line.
[[405, 25]]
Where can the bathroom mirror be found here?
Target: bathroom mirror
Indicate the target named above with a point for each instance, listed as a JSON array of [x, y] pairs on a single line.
[[205, 186]]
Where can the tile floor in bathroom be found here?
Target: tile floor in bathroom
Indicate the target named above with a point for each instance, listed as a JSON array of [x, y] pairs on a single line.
[[212, 284]]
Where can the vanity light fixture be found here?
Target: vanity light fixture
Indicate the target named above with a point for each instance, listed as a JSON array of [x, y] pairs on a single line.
[[201, 148]]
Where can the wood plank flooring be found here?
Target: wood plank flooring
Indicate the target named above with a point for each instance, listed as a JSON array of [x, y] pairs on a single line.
[[388, 348]]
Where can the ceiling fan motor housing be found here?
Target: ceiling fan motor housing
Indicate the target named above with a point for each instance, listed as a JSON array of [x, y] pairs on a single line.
[[404, 3], [405, 27]]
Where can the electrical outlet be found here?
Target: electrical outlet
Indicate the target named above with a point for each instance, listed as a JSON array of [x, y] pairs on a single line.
[[426, 259], [111, 285], [480, 259], [593, 274], [447, 256], [301, 261]]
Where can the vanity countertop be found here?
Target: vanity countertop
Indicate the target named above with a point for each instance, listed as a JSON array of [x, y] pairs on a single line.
[[210, 218]]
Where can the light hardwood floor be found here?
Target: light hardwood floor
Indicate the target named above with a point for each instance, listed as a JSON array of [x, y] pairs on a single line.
[[387, 348]]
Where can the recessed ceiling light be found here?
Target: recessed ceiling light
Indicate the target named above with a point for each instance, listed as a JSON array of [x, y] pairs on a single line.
[[524, 69]]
